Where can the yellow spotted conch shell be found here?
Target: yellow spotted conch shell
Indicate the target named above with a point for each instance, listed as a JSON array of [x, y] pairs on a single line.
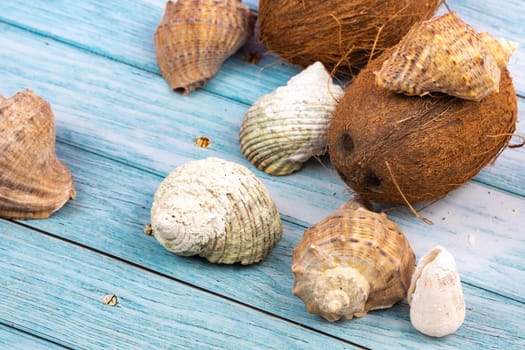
[[437, 306], [215, 209], [285, 128], [33, 182], [195, 37], [351, 262], [445, 54]]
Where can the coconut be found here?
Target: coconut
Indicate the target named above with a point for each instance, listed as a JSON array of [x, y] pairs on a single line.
[[339, 33], [393, 148]]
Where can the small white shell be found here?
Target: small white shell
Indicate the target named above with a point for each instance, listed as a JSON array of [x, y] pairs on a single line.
[[285, 128], [215, 209], [437, 306]]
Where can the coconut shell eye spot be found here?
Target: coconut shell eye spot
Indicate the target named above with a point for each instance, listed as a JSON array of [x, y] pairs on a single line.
[[371, 180], [347, 143]]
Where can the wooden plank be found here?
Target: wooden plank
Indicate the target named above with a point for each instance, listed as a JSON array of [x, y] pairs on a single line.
[[124, 32], [55, 289], [483, 229], [12, 339], [110, 213], [104, 106]]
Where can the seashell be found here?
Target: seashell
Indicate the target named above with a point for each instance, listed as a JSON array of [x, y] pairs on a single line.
[[33, 182], [351, 262], [444, 54], [195, 37], [437, 306], [285, 128], [500, 49], [215, 209]]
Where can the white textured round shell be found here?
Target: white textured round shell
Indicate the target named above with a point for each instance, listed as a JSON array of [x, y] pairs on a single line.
[[216, 209], [285, 128], [437, 306]]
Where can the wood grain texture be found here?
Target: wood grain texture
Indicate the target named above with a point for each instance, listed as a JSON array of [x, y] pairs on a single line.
[[121, 131], [13, 339], [129, 114], [124, 32], [56, 289], [110, 212], [482, 228]]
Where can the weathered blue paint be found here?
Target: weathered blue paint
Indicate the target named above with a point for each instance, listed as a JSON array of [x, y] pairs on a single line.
[[120, 130]]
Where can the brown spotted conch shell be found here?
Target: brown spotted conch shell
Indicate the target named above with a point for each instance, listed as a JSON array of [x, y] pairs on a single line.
[[437, 306], [195, 37], [33, 182], [445, 54], [351, 262], [285, 128], [215, 209]]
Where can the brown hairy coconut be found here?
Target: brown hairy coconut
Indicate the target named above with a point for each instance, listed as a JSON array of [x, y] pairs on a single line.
[[384, 144], [339, 33]]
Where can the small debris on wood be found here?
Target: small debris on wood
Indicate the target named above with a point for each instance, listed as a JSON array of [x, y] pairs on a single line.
[[253, 57], [110, 299], [203, 142], [471, 240]]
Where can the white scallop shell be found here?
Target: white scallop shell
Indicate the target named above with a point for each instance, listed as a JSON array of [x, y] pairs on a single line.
[[285, 128], [437, 306], [215, 209]]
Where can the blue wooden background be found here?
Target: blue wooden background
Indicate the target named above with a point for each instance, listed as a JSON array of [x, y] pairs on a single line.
[[121, 130]]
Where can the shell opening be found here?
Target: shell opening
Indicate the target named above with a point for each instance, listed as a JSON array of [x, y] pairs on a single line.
[[427, 259], [181, 90]]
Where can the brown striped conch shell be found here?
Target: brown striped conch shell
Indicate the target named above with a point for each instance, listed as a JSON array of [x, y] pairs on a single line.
[[33, 182], [195, 37], [445, 54], [285, 128], [351, 262], [437, 306], [215, 209]]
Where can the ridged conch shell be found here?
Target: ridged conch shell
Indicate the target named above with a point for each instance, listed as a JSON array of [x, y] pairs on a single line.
[[215, 209], [33, 182], [444, 54], [437, 306], [195, 37], [283, 129], [351, 262]]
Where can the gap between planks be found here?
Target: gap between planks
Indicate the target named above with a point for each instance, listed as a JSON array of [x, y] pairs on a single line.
[[160, 274], [35, 341]]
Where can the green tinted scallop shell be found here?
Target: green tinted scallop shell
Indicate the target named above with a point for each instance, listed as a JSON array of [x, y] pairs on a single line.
[[285, 128]]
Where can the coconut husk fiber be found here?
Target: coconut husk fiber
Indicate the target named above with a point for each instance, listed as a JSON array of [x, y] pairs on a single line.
[[339, 33], [384, 144]]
